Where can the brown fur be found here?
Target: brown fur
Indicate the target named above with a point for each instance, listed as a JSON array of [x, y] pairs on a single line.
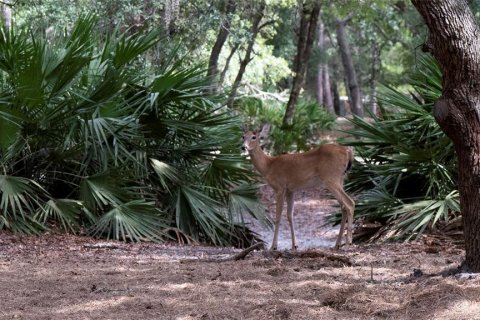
[[288, 173]]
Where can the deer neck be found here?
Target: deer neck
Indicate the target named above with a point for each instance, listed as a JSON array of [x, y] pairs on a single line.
[[259, 160]]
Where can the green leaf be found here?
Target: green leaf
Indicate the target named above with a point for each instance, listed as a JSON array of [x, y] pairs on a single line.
[[136, 220]]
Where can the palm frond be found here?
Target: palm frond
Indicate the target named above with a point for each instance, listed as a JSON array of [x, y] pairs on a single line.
[[136, 220], [65, 211]]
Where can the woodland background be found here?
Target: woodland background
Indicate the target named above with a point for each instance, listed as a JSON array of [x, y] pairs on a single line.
[[121, 119]]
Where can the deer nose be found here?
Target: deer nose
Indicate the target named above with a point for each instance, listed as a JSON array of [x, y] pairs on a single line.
[[243, 148]]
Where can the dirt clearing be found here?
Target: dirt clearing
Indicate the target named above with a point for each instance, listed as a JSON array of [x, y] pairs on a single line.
[[67, 277]]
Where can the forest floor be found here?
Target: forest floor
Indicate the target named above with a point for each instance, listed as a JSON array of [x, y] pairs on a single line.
[[57, 276]]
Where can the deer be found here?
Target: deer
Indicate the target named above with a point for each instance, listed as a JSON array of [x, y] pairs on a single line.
[[286, 174]]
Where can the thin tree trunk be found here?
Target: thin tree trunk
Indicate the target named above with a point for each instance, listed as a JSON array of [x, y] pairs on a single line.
[[327, 90], [373, 77], [212, 71], [308, 25], [227, 63], [339, 109], [453, 40], [7, 14], [247, 58], [324, 90], [321, 63], [351, 76], [169, 14]]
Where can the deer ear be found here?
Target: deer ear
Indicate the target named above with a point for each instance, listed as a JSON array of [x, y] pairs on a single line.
[[265, 130], [244, 127]]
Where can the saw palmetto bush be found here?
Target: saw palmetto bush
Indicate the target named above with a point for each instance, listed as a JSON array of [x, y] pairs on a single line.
[[92, 142], [407, 177]]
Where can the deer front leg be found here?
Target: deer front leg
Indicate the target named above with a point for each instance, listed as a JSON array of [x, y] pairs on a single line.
[[290, 218], [279, 197]]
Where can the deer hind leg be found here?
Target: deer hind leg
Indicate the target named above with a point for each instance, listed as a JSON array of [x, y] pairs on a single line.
[[279, 198], [290, 218], [342, 228], [348, 206]]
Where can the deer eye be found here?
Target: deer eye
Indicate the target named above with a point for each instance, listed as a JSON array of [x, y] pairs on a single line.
[[243, 137], [254, 137]]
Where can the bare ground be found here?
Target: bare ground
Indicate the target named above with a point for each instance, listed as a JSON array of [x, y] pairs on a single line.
[[68, 277]]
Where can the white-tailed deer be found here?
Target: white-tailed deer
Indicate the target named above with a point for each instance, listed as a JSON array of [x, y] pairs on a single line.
[[288, 173]]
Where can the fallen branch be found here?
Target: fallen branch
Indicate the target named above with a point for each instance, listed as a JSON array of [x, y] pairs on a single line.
[[308, 254], [239, 256]]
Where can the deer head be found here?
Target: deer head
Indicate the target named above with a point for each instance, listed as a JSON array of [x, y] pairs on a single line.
[[254, 139]]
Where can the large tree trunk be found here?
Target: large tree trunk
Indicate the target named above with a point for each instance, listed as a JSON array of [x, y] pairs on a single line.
[[256, 27], [212, 72], [453, 40], [355, 95], [308, 25]]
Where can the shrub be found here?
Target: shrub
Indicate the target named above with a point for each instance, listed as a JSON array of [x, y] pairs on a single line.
[[407, 178]]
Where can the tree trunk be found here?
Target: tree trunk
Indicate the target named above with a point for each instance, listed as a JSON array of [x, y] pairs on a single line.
[[308, 25], [373, 77], [321, 63], [355, 96], [170, 12], [227, 63], [337, 106], [212, 71], [453, 40], [327, 90], [247, 58], [7, 14], [324, 90]]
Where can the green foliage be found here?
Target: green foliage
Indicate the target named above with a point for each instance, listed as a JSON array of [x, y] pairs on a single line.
[[309, 119], [93, 143], [407, 175]]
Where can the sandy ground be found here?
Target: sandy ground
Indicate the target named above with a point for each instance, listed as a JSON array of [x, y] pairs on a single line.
[[67, 277]]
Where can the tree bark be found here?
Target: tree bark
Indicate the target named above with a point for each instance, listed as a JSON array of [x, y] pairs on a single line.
[[212, 71], [339, 109], [337, 106], [170, 12], [321, 63], [355, 95], [453, 40], [256, 27], [324, 90], [227, 63], [308, 25], [6, 14], [373, 77], [327, 90]]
